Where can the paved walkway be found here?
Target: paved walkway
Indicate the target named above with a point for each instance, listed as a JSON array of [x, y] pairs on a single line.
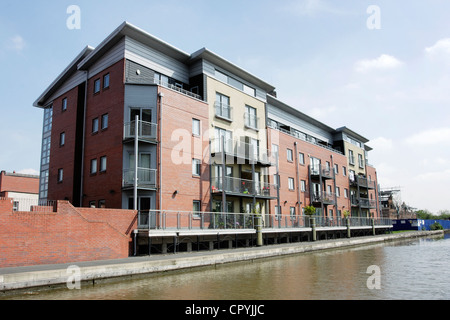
[[50, 275]]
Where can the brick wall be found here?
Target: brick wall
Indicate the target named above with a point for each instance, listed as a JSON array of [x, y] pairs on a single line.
[[69, 235], [18, 183], [179, 147], [288, 169]]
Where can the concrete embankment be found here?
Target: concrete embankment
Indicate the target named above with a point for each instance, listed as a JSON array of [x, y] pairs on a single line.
[[88, 272]]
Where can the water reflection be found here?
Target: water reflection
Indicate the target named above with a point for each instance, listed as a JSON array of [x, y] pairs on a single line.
[[409, 270]]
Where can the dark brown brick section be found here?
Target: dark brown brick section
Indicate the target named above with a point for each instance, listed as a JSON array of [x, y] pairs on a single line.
[[109, 142]]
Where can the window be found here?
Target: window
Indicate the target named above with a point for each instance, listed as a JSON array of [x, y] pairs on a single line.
[[95, 125], [275, 151], [62, 139], [301, 158], [251, 120], [64, 104], [60, 175], [290, 156], [196, 127], [276, 179], [92, 204], [101, 203], [196, 208], [97, 86], [351, 158], [338, 192], [303, 185], [93, 166], [103, 164], [222, 106], [196, 167], [291, 184], [105, 119], [336, 169], [106, 81], [346, 193], [249, 90], [361, 161], [344, 171], [292, 212]]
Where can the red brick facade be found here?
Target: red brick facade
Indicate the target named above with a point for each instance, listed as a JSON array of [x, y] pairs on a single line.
[[179, 146], [68, 235], [18, 183], [299, 171]]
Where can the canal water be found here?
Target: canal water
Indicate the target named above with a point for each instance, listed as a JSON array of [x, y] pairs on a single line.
[[416, 269]]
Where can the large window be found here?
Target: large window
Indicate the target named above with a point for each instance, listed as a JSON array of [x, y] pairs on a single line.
[[222, 106], [196, 127], [196, 163], [251, 119], [291, 184]]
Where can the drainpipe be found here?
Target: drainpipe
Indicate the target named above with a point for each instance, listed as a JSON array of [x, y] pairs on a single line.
[[161, 96], [136, 161], [297, 178], [84, 135]]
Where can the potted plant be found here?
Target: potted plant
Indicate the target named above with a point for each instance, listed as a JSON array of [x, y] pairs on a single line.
[[310, 210]]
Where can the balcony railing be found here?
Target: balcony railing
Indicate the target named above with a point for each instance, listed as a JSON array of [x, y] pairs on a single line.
[[190, 220], [319, 169], [223, 111], [242, 150], [363, 202], [146, 178], [362, 182], [177, 88], [147, 131], [325, 197], [244, 187], [251, 121]]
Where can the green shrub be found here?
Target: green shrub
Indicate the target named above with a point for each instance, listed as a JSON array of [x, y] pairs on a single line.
[[436, 226]]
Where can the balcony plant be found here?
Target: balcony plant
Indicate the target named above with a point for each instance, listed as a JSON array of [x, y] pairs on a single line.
[[310, 211]]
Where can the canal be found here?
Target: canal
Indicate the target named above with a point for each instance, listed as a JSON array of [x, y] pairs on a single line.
[[415, 269]]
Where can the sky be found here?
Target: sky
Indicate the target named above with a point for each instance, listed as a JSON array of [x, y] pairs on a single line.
[[380, 68]]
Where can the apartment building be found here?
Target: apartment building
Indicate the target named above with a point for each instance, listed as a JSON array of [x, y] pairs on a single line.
[[138, 123]]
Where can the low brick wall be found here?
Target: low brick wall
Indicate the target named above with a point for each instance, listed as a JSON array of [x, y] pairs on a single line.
[[66, 236]]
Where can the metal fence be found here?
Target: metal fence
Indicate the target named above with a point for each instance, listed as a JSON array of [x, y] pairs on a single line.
[[187, 220]]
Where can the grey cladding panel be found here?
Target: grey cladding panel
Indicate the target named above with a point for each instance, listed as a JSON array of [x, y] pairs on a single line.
[[136, 73]]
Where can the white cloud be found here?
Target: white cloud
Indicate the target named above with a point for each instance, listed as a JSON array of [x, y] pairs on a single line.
[[440, 47], [16, 43], [434, 176], [381, 144], [438, 136], [383, 62], [312, 8]]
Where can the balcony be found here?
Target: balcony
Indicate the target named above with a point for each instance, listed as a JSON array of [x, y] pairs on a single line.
[[321, 171], [327, 198], [363, 202], [147, 131], [251, 121], [146, 178], [362, 182], [242, 187], [246, 152], [223, 111]]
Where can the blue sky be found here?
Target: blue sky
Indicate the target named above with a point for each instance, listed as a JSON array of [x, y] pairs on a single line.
[[388, 84]]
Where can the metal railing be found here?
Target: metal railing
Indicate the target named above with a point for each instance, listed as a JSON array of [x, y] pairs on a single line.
[[223, 110], [242, 149], [190, 220], [177, 88], [325, 197], [147, 130], [319, 169], [243, 187], [145, 178]]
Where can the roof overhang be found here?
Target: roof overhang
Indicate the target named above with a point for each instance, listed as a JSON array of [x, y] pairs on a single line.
[[214, 58], [64, 76], [353, 134]]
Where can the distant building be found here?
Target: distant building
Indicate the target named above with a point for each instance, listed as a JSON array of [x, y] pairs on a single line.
[[22, 188]]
